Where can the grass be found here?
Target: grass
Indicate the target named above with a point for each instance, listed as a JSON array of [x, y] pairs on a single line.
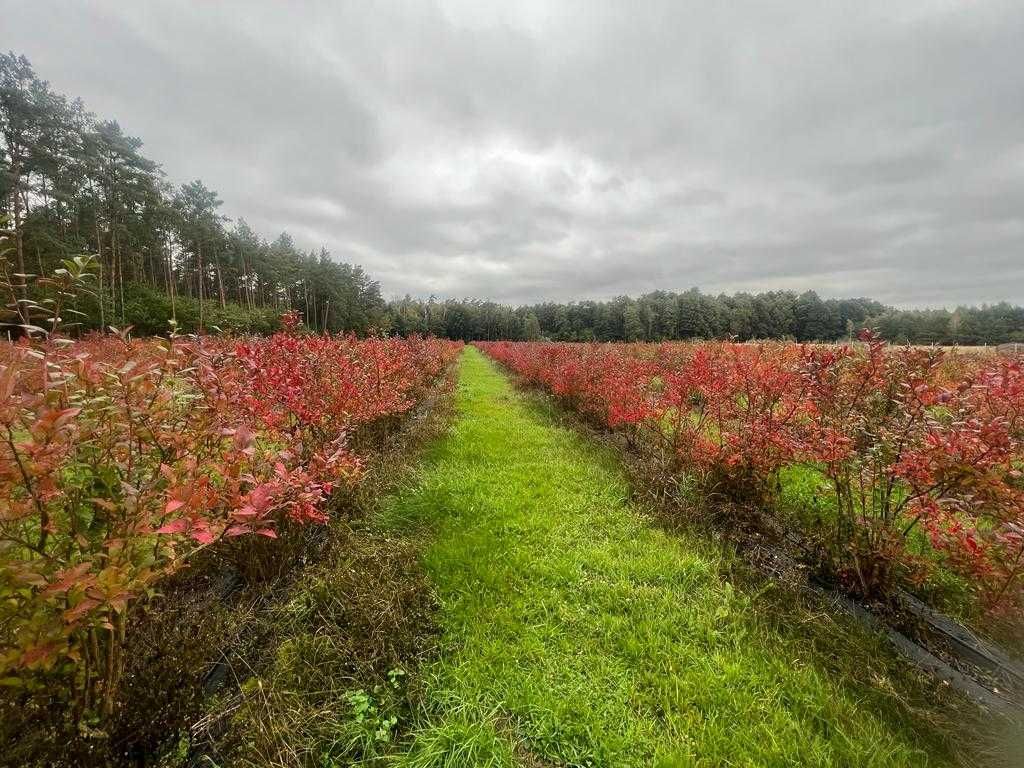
[[334, 688], [575, 632]]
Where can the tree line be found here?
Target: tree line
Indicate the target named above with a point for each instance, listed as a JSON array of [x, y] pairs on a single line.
[[665, 315], [71, 183]]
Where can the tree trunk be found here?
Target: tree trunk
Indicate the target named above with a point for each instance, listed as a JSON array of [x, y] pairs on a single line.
[[19, 244], [220, 283], [199, 274], [120, 273], [99, 262], [170, 279]]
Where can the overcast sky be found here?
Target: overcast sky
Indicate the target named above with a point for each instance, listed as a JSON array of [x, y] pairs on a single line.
[[531, 150]]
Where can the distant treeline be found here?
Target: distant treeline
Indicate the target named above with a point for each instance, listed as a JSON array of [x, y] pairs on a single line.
[[665, 315], [72, 184]]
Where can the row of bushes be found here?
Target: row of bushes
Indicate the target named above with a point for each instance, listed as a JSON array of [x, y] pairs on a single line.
[[919, 451], [122, 461]]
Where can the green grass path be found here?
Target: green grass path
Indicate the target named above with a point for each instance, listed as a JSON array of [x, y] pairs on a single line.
[[575, 632]]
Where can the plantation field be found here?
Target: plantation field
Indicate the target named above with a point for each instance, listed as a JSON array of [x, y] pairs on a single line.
[[506, 599], [472, 385]]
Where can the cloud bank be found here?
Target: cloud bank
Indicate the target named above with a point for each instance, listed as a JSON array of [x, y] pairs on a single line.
[[539, 150]]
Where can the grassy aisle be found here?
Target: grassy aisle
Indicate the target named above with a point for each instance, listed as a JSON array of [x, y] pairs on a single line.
[[576, 633]]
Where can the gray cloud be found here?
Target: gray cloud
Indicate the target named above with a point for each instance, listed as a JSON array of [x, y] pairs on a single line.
[[533, 150]]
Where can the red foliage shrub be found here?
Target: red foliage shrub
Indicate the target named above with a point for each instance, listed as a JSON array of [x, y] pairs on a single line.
[[733, 409], [121, 460], [909, 440]]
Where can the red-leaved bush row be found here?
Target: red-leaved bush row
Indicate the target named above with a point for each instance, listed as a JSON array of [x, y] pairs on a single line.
[[922, 450], [121, 460]]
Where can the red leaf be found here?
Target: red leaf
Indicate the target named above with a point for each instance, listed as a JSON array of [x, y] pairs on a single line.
[[175, 526], [203, 536]]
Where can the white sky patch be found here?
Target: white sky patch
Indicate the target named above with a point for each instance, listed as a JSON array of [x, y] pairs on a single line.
[[535, 150]]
